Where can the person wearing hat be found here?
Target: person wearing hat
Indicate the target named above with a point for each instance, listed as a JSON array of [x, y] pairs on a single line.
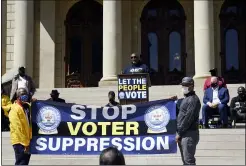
[[238, 106], [111, 98], [54, 96], [21, 80], [187, 122], [207, 83]]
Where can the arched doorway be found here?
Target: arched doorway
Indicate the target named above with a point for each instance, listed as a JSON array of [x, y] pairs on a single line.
[[163, 41], [84, 42], [233, 40]]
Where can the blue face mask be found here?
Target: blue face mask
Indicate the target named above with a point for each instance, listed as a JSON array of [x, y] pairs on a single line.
[[24, 98]]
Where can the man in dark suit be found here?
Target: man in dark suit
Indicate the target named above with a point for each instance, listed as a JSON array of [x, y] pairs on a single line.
[[221, 81], [55, 97], [215, 102]]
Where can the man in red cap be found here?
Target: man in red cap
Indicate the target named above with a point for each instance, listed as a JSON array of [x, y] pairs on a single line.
[[221, 81]]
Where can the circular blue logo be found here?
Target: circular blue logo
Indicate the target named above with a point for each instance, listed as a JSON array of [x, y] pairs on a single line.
[[48, 118], [121, 95], [157, 117]]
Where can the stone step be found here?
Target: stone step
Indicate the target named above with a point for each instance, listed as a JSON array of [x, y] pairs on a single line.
[[201, 146], [130, 160], [216, 147], [98, 95]]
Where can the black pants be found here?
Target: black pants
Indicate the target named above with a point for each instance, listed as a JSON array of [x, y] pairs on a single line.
[[5, 122], [21, 158]]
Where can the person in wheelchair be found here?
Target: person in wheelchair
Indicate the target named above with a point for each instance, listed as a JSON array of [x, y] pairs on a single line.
[[215, 102], [238, 106]]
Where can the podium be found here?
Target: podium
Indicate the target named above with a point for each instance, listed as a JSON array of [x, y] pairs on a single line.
[[133, 88]]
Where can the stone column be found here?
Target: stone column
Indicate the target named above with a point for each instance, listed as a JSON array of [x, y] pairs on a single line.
[[112, 42], [204, 39], [3, 33], [23, 35], [47, 45]]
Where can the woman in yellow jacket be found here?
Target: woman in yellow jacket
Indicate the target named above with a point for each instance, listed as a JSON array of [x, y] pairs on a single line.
[[20, 127], [5, 108]]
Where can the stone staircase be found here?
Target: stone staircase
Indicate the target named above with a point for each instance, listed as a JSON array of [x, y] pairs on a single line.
[[98, 95], [216, 147]]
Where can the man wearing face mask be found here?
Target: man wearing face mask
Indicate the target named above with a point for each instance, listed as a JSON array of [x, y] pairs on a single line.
[[187, 122], [137, 66], [221, 81], [21, 80], [111, 98], [20, 127], [238, 105], [215, 102]]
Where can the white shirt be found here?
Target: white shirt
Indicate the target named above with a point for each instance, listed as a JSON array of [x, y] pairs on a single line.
[[216, 95], [22, 83]]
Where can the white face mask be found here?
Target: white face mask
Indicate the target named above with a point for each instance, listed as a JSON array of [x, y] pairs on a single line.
[[185, 90]]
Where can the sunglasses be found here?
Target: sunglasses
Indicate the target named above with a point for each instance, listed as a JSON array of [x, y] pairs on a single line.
[[134, 57]]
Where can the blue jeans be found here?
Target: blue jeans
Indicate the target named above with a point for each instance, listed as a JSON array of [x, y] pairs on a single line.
[[208, 112], [21, 158]]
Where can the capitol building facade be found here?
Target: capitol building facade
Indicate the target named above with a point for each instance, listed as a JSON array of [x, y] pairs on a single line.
[[95, 38]]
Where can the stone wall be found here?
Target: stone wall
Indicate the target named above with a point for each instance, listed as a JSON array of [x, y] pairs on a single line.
[[10, 34], [3, 36]]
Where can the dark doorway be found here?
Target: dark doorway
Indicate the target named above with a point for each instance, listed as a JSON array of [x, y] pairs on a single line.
[[84, 23], [163, 41], [233, 40]]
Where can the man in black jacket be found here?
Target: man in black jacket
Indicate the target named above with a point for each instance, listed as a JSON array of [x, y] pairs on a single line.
[[238, 105], [187, 122], [111, 98], [54, 96]]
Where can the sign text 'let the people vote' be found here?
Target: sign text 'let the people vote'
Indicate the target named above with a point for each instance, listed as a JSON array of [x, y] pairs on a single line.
[[132, 88]]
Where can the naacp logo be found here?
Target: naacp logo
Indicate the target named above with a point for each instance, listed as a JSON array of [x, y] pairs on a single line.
[[121, 95], [157, 118], [48, 119]]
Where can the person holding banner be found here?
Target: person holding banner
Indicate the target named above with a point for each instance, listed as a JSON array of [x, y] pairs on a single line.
[[187, 122], [20, 127], [137, 66], [111, 98]]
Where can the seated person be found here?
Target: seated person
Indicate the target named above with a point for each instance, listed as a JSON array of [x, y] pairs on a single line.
[[55, 96], [136, 67], [111, 156], [111, 98], [215, 102], [238, 105], [221, 81]]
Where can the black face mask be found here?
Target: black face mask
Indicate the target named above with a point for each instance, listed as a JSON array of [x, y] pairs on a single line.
[[214, 85], [241, 95], [21, 74]]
